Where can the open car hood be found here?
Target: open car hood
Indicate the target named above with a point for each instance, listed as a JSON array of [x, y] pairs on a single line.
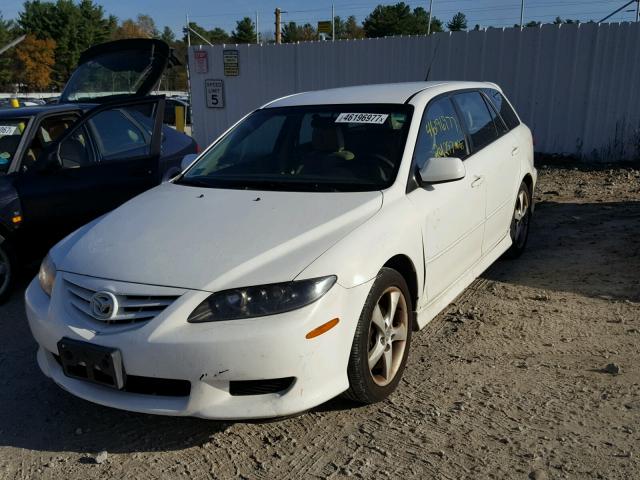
[[117, 70]]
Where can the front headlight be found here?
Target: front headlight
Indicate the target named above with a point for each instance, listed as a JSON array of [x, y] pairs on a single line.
[[47, 275], [262, 300]]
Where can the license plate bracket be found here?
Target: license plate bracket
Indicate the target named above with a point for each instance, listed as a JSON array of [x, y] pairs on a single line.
[[92, 363]]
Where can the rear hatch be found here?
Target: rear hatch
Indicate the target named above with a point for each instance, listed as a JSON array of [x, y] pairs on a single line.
[[118, 70]]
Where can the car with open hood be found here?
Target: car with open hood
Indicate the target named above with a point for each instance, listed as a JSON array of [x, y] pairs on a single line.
[[292, 260], [61, 165]]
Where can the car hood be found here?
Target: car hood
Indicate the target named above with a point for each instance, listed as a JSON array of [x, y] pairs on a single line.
[[213, 239]]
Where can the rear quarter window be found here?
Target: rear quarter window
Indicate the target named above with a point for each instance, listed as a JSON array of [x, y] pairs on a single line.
[[502, 106]]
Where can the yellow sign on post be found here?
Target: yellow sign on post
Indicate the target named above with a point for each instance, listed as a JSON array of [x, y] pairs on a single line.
[[324, 26], [180, 118]]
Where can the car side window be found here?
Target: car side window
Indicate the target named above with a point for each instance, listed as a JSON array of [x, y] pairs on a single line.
[[120, 135], [503, 107], [441, 134], [75, 151], [477, 119]]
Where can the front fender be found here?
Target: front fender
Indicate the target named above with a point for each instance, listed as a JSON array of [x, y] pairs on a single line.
[[358, 257]]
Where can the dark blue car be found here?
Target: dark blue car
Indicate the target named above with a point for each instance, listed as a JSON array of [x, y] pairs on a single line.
[[63, 165]]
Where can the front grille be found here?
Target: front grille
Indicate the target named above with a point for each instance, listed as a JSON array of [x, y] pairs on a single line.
[[130, 308], [164, 387], [260, 387]]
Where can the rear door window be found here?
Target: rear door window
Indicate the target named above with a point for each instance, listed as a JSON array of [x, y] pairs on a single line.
[[477, 119], [120, 134], [502, 106]]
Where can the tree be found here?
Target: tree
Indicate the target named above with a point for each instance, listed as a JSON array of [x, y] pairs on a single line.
[[352, 29], [218, 36], [142, 27], [348, 29], [6, 35], [559, 21], [168, 36], [73, 27], [398, 19], [245, 31], [290, 32], [458, 23], [35, 59]]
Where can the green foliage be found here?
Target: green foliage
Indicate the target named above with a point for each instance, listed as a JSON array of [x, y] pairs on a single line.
[[73, 27], [458, 23], [292, 32], [7, 33], [347, 29], [245, 31], [399, 19]]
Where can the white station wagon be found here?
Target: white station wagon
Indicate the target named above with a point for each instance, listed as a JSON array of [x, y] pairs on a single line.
[[291, 261]]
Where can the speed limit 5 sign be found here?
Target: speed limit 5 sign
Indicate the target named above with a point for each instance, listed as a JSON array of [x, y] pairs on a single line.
[[214, 91]]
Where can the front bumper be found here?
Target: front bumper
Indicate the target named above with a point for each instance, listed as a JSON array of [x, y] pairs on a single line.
[[208, 355]]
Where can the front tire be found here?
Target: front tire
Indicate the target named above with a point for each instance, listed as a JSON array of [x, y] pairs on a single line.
[[520, 220], [7, 270], [382, 339]]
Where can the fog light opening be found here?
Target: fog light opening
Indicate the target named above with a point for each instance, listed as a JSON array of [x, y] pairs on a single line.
[[324, 328]]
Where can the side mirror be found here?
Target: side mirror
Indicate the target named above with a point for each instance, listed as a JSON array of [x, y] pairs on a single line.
[[187, 160], [440, 170]]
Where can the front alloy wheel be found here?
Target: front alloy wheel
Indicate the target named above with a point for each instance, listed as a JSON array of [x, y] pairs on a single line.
[[388, 336], [381, 342]]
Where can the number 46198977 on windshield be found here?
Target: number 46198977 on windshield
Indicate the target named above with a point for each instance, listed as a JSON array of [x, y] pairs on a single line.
[[214, 92]]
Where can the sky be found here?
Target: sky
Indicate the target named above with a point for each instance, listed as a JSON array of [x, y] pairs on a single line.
[[224, 14]]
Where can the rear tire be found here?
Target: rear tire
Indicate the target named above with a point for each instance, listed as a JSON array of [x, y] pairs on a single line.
[[382, 339], [7, 270], [520, 221]]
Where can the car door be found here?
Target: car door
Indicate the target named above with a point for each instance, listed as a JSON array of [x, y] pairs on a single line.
[[451, 214], [489, 151], [503, 170], [76, 179]]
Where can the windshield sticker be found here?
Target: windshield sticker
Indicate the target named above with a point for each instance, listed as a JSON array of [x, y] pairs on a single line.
[[7, 129], [373, 118]]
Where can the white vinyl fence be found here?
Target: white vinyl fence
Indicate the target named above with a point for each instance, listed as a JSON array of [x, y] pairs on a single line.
[[576, 86]]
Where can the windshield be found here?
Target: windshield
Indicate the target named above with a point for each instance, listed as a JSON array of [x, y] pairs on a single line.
[[310, 148], [10, 135]]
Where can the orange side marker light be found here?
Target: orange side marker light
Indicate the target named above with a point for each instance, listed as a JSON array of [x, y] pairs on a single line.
[[324, 328], [16, 219]]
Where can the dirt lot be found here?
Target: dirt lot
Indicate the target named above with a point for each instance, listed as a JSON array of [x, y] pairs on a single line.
[[509, 382]]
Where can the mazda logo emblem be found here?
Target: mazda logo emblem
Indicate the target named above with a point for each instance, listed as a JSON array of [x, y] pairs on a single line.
[[104, 305]]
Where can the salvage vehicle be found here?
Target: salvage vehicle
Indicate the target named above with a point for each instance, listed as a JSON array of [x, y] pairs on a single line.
[[291, 261], [64, 164]]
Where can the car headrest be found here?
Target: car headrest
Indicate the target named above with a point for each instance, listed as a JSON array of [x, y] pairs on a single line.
[[327, 135]]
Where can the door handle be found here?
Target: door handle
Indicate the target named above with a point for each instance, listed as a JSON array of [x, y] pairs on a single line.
[[478, 180], [515, 151]]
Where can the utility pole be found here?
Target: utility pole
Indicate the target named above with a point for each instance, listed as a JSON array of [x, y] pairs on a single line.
[[257, 28], [188, 32], [430, 14], [638, 11], [333, 23], [521, 14], [278, 31]]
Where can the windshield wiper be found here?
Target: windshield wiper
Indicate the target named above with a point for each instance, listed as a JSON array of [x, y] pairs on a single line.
[[192, 182]]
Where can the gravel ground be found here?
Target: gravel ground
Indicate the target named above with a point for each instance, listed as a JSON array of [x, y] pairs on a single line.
[[517, 379]]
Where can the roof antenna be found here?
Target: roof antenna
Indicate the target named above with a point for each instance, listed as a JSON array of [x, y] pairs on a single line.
[[435, 54]]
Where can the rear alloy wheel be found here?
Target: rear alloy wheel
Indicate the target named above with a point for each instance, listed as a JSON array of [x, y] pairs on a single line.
[[520, 222], [381, 343], [6, 272]]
